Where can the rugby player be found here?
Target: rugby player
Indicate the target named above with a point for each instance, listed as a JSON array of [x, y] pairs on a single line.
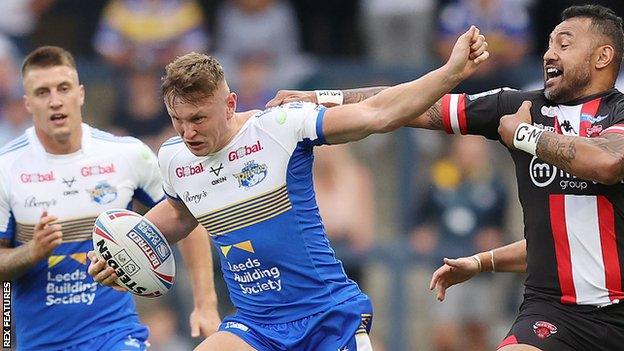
[[54, 181]]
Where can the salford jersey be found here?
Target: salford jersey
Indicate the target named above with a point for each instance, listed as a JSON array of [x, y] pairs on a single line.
[[256, 199], [56, 303], [574, 227]]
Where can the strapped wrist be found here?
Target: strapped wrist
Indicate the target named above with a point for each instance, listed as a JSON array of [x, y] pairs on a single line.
[[526, 137], [335, 97]]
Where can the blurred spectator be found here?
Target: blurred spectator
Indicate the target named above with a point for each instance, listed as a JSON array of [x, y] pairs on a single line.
[[507, 25], [462, 212], [18, 19], [261, 28], [163, 326], [344, 193], [14, 118], [150, 33], [398, 31], [252, 88], [141, 112]]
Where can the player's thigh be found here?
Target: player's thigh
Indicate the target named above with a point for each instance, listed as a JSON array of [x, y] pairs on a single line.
[[519, 347], [224, 341]]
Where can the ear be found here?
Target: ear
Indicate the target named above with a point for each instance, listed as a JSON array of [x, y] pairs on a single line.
[[231, 104], [82, 95], [605, 54], [27, 104]]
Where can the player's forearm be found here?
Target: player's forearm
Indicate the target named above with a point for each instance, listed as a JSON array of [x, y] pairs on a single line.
[[14, 262], [509, 258], [352, 96], [174, 222], [405, 103], [596, 159], [195, 249]]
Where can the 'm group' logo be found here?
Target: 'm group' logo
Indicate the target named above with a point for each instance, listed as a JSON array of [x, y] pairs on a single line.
[[186, 171], [37, 177], [542, 173], [244, 151], [98, 169]]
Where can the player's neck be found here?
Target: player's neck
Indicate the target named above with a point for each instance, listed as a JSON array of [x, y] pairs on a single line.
[[236, 123], [61, 145]]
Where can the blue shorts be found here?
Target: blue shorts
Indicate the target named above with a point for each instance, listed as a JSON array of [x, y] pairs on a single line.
[[124, 339], [343, 327]]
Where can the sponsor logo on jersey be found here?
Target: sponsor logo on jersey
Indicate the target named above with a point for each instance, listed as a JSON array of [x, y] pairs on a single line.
[[594, 131], [596, 119], [218, 180], [194, 198], [37, 177], [119, 269], [69, 183], [245, 151], [216, 170], [188, 171], [252, 174], [549, 111], [543, 174], [89, 171], [32, 201], [544, 329], [103, 193]]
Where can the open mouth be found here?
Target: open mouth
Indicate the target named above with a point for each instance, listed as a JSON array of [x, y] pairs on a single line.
[[58, 118], [194, 144], [552, 73]]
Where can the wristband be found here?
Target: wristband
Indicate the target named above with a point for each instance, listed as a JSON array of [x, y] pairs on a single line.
[[329, 96], [476, 258], [526, 137]]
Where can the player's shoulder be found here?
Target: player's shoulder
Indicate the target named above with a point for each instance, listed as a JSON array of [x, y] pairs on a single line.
[[507, 93], [14, 148], [108, 139], [170, 148]]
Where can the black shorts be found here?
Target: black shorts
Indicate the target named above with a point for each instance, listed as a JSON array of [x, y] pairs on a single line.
[[552, 326]]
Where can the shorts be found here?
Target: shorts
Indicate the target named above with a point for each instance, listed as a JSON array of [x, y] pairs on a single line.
[[342, 327], [124, 339], [552, 326]]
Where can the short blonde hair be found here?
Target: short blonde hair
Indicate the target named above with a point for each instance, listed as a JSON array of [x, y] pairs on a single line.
[[191, 78]]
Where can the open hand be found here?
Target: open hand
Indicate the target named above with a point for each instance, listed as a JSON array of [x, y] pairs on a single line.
[[454, 271]]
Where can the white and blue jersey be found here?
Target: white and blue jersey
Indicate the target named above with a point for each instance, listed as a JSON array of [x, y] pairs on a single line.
[[256, 199], [56, 303]]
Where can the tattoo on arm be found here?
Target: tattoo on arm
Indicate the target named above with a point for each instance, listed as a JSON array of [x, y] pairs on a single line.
[[556, 150], [352, 96], [434, 117]]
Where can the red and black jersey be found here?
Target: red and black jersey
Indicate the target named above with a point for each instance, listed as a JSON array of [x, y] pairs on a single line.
[[574, 227]]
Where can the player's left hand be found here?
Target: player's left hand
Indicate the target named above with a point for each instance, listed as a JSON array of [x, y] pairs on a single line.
[[469, 52], [286, 96], [509, 123], [102, 272], [204, 321]]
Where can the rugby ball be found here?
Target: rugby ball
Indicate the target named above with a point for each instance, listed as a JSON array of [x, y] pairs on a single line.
[[136, 250]]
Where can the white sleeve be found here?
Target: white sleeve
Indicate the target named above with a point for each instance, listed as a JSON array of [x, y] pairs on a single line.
[[295, 122], [149, 183], [164, 160], [7, 221]]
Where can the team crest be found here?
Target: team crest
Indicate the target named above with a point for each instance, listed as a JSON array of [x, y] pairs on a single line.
[[103, 193], [251, 174], [544, 329]]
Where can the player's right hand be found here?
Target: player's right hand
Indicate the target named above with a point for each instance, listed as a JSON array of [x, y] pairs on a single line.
[[469, 52], [46, 237], [102, 272], [286, 96], [454, 271]]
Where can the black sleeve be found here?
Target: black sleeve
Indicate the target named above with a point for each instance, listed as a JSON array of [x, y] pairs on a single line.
[[479, 114]]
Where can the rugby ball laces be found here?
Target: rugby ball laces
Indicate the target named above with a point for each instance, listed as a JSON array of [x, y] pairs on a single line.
[[136, 250]]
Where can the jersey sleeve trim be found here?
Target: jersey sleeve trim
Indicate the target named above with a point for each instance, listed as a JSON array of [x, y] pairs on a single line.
[[454, 113], [615, 129], [172, 197], [319, 126]]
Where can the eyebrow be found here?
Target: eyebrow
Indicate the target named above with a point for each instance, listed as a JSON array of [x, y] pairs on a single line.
[[562, 33]]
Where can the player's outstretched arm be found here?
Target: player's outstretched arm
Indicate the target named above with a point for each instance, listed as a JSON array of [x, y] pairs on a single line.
[[509, 258], [195, 249], [14, 262], [398, 105], [600, 159]]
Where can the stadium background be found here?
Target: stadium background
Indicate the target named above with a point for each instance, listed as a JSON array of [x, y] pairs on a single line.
[[378, 192]]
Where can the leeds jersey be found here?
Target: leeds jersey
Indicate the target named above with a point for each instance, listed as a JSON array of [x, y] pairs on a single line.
[[57, 303], [574, 227], [256, 199]]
